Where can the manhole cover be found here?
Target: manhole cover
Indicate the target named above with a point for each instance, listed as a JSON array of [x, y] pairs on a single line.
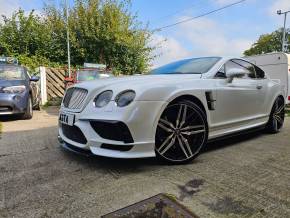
[[157, 206]]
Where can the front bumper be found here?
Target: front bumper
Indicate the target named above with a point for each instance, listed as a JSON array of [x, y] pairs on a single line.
[[13, 103], [135, 140]]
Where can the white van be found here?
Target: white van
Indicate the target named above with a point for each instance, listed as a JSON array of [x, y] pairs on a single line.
[[276, 66]]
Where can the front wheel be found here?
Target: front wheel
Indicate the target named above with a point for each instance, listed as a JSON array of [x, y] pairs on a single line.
[[29, 110], [181, 132], [277, 117]]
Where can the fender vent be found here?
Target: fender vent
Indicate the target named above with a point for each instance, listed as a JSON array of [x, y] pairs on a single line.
[[210, 100]]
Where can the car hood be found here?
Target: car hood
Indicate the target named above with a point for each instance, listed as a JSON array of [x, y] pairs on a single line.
[[140, 84], [138, 81]]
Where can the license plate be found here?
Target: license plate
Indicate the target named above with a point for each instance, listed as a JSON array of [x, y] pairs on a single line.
[[67, 118]]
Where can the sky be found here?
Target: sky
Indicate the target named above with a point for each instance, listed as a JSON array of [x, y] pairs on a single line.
[[225, 33]]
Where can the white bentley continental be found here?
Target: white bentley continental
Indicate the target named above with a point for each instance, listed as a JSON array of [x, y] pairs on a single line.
[[172, 112]]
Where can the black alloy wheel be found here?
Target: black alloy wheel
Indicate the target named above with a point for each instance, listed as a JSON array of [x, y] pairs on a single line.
[[181, 132], [277, 116]]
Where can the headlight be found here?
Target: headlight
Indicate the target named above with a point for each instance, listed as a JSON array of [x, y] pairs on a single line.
[[103, 98], [14, 89], [125, 98]]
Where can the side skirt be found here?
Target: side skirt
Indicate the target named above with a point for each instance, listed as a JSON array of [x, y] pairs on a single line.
[[255, 129]]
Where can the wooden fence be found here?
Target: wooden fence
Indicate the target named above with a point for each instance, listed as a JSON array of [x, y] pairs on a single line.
[[52, 84], [55, 83]]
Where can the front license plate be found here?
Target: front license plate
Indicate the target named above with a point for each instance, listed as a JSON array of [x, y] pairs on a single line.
[[67, 118]]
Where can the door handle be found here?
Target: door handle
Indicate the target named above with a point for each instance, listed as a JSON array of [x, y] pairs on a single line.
[[259, 87]]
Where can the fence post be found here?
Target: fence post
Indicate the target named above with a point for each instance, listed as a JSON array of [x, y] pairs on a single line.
[[43, 85]]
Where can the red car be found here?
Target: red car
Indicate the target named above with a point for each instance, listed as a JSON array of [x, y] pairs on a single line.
[[87, 74]]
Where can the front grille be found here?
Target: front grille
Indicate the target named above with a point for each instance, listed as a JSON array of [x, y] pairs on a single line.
[[75, 98], [112, 130], [73, 133]]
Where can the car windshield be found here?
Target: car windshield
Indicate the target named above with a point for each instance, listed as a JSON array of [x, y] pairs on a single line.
[[189, 66], [11, 73]]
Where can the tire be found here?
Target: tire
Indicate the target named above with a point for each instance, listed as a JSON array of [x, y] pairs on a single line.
[[277, 116], [181, 132], [37, 107], [29, 110]]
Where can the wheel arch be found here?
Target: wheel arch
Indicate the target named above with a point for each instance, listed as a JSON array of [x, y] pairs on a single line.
[[188, 97], [191, 98], [279, 95]]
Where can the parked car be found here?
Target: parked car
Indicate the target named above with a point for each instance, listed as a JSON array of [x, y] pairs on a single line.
[[88, 74], [19, 93], [277, 66], [172, 112]]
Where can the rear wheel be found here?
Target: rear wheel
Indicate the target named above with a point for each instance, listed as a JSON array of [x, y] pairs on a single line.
[[29, 110], [277, 116], [181, 132]]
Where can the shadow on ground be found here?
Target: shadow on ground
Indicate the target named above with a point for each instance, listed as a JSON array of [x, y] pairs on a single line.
[[8, 118], [123, 164], [233, 140]]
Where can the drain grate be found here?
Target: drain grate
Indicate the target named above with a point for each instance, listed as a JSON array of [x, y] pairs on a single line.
[[157, 206]]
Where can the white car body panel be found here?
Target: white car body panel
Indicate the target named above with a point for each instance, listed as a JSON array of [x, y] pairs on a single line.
[[239, 105], [276, 66]]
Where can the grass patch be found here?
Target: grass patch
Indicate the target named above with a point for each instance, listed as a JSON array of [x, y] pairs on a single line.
[[1, 126]]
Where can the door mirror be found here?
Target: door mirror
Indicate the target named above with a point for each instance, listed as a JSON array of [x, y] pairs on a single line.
[[34, 79], [235, 73]]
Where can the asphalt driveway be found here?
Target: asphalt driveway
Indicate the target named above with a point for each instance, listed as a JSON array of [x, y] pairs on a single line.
[[243, 177]]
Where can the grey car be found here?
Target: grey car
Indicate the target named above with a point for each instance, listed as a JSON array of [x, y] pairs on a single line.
[[19, 93]]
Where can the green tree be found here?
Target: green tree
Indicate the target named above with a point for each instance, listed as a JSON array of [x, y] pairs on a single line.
[[268, 43], [101, 31], [25, 37]]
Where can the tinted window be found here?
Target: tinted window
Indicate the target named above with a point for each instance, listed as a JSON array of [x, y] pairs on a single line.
[[259, 73], [10, 72], [222, 72], [251, 73], [248, 68], [189, 66]]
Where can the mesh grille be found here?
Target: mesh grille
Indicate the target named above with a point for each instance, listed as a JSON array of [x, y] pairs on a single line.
[[74, 98], [74, 133]]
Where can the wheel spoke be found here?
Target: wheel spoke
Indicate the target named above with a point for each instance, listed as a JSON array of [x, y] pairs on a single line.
[[178, 116], [192, 127], [183, 117], [193, 132], [275, 123], [278, 119], [172, 137], [186, 143], [279, 110], [166, 125], [182, 147]]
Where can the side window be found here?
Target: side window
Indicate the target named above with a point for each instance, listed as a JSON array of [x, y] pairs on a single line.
[[231, 65], [221, 73], [250, 69], [259, 73]]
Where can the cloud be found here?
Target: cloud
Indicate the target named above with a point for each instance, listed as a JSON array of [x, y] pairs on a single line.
[[168, 49], [8, 7], [209, 38], [203, 37], [283, 5]]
